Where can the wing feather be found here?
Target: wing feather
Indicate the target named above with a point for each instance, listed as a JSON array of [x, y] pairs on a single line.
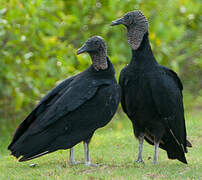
[[168, 102]]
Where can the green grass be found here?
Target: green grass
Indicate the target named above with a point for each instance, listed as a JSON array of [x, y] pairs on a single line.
[[115, 149]]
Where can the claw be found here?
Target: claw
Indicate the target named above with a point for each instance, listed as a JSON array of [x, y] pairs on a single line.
[[75, 163], [90, 164], [140, 161], [154, 162]]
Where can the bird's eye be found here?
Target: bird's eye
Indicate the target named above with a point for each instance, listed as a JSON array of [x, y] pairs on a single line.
[[96, 42], [127, 17]]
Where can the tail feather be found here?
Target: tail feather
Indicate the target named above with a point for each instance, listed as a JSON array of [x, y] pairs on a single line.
[[188, 144], [29, 147], [24, 158], [175, 150], [22, 153], [27, 151]]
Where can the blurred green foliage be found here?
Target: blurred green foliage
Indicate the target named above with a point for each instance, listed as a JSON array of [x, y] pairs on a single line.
[[39, 39]]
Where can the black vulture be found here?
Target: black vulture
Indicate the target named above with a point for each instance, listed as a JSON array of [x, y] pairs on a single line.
[[151, 94], [72, 111]]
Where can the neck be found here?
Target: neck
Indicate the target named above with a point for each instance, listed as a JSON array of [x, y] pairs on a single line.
[[143, 58], [99, 60]]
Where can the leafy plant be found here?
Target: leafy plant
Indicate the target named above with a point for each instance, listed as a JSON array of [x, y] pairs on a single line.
[[39, 39]]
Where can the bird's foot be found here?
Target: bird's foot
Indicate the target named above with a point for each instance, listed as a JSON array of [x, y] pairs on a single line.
[[75, 162], [154, 162], [90, 164], [139, 161]]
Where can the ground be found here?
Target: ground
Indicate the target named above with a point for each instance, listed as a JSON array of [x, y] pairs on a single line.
[[114, 148]]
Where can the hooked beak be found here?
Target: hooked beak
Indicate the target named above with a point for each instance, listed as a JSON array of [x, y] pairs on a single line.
[[82, 49], [117, 22]]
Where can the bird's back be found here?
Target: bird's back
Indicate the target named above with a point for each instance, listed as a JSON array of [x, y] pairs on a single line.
[[149, 96], [82, 105]]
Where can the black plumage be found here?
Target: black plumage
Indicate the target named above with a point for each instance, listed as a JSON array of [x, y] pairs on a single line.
[[72, 111], [152, 94]]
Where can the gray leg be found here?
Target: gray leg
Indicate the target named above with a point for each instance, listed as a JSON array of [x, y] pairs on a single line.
[[87, 155], [71, 157], [141, 139], [156, 146]]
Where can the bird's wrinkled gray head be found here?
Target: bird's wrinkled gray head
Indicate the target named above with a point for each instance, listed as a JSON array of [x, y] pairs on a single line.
[[97, 49], [93, 45], [137, 26]]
